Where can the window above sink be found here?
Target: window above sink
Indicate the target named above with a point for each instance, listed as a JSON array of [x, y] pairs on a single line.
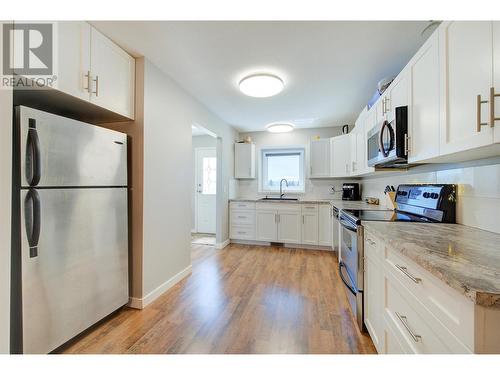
[[279, 163]]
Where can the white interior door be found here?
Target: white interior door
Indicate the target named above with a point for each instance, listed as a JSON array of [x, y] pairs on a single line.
[[206, 183]]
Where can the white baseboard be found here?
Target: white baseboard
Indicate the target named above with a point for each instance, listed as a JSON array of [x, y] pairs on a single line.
[[222, 245], [140, 303]]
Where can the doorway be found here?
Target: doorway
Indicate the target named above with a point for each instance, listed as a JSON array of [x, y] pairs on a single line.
[[204, 187]]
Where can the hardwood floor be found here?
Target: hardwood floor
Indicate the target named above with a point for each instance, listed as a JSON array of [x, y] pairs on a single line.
[[242, 299]]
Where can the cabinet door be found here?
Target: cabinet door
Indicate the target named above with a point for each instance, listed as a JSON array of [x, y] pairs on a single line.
[[325, 225], [289, 227], [466, 71], [320, 158], [266, 225], [424, 109], [398, 94], [380, 111], [340, 156], [370, 119], [310, 228], [496, 78], [373, 295], [73, 58], [353, 156], [244, 160], [113, 73]]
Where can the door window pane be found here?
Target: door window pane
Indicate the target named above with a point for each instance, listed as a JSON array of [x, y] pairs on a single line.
[[209, 175]]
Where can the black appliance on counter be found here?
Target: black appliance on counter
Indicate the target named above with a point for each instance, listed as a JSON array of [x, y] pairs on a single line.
[[433, 203], [388, 141], [350, 192]]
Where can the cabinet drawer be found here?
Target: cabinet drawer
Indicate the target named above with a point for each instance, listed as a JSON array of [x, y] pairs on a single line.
[[243, 217], [242, 232], [309, 208], [411, 327], [451, 308], [242, 205]]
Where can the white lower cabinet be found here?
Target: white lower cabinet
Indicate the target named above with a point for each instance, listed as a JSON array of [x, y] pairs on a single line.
[[408, 310], [373, 291], [278, 222], [325, 225], [310, 230], [289, 223], [289, 227], [266, 225]]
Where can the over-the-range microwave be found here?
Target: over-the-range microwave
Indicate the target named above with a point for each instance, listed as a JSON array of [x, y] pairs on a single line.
[[388, 141]]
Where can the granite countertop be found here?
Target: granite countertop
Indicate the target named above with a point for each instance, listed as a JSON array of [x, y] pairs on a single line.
[[340, 204], [465, 258]]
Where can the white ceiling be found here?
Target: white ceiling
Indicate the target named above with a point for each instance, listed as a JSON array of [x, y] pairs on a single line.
[[330, 69]]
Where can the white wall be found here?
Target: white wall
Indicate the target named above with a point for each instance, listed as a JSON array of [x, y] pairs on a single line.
[[478, 201], [198, 141], [5, 218], [169, 113], [315, 188]]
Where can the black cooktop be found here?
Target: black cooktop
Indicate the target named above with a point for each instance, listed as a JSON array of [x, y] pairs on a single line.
[[378, 215]]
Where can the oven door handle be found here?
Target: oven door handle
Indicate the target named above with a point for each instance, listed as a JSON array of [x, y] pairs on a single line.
[[347, 225], [350, 287]]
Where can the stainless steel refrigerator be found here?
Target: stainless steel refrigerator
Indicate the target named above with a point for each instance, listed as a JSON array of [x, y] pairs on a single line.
[[70, 228]]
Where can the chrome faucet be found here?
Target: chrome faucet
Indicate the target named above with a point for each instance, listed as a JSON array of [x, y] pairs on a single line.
[[281, 187]]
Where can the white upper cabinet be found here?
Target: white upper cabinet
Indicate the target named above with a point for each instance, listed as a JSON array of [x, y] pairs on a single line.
[[423, 121], [466, 56], [320, 158], [496, 80], [92, 68], [113, 75], [397, 95], [244, 160], [73, 58], [340, 155]]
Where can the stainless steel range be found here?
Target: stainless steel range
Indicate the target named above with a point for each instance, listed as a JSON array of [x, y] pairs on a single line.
[[416, 203]]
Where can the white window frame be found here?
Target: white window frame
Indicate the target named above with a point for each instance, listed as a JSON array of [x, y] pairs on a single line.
[[263, 188]]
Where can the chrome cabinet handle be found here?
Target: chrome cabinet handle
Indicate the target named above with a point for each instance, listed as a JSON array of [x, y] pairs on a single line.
[[88, 77], [478, 113], [492, 107], [407, 144], [96, 80], [404, 270], [404, 321], [303, 219], [249, 171]]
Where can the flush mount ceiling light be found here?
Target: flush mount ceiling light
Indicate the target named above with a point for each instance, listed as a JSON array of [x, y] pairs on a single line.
[[261, 85], [282, 127]]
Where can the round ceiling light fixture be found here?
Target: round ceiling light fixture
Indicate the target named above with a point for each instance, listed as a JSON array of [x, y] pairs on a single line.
[[280, 127], [261, 85]]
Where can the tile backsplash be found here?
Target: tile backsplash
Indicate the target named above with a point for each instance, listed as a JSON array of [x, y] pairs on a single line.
[[478, 201], [314, 189]]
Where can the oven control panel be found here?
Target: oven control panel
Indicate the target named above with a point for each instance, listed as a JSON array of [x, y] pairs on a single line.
[[427, 196]]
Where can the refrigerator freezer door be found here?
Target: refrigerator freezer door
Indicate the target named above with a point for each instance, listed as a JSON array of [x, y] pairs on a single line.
[[79, 271], [60, 152]]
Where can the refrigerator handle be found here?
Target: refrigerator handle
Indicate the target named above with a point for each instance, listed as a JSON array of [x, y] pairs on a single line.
[[32, 216], [33, 167]]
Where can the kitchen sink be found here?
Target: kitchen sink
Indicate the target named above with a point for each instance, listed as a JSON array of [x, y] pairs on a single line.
[[278, 199]]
